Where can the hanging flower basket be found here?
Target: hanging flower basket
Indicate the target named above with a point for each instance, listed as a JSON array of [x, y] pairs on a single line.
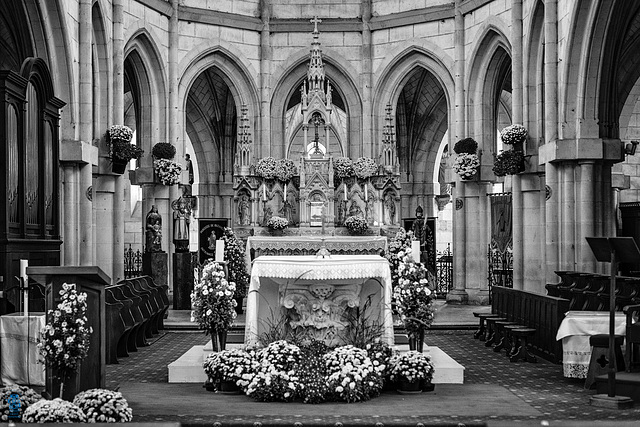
[[508, 162], [167, 171], [365, 167], [513, 134], [466, 146], [466, 165], [163, 150]]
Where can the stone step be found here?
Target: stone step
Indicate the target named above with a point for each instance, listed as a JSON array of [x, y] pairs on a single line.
[[627, 384]]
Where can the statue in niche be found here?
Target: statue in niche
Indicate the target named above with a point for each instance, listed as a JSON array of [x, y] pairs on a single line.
[[287, 211], [354, 209], [368, 211], [244, 210], [181, 219], [153, 231], [342, 211], [268, 213], [419, 229], [389, 209]]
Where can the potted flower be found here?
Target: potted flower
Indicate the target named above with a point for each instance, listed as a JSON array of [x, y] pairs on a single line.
[[24, 395], [413, 298], [508, 162], [342, 168], [513, 134], [213, 303], [412, 370], [236, 266], [352, 376], [121, 150], [277, 224], [53, 411], [466, 165], [466, 146], [365, 167], [64, 340], [285, 170], [167, 171], [228, 367], [276, 378], [356, 224], [266, 168], [103, 406], [163, 150]]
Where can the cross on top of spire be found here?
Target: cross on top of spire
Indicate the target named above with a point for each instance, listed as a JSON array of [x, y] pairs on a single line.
[[315, 21]]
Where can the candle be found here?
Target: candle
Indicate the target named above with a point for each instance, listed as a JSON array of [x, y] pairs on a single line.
[[366, 196], [415, 250], [345, 192], [264, 192], [285, 191], [24, 263], [219, 250]]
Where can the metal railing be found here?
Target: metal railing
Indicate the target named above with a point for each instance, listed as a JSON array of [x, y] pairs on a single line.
[[132, 263], [444, 272], [500, 267]]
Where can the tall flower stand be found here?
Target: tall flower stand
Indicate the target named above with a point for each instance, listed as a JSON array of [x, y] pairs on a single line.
[[218, 339]]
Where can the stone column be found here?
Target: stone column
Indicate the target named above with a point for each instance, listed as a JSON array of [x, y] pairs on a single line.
[[533, 272], [567, 217], [103, 200], [85, 126], [118, 118], [369, 148], [586, 205], [265, 85], [70, 214]]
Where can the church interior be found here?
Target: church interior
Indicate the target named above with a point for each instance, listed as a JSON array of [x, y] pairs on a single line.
[[139, 137]]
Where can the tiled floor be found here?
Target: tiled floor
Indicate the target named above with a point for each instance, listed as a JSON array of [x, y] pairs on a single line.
[[539, 388]]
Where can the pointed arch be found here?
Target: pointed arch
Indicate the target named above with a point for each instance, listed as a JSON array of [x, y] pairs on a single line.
[[533, 79], [101, 64]]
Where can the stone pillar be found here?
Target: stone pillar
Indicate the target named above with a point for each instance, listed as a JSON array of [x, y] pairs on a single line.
[[265, 87], [182, 281], [104, 201], [567, 217], [532, 274], [369, 149], [458, 294], [458, 41], [70, 228], [551, 133], [118, 118], [85, 125], [517, 214], [587, 224]]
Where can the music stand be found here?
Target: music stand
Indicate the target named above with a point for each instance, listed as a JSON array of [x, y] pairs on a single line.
[[613, 250]]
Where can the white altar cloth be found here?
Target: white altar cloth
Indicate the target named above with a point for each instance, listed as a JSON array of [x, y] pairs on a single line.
[[270, 271], [19, 353], [575, 330]]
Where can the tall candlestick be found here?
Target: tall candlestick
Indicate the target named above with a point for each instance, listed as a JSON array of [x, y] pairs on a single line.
[[285, 191], [345, 191], [264, 191], [219, 250], [24, 263], [366, 187]]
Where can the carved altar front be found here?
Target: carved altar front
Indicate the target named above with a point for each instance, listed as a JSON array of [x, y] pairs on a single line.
[[313, 295]]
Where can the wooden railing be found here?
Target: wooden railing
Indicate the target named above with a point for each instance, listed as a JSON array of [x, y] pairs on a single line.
[[542, 312]]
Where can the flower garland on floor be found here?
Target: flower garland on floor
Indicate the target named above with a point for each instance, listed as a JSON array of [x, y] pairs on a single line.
[[168, 171], [64, 340], [212, 300]]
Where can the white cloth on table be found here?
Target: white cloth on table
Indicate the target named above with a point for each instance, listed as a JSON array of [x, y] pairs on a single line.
[[575, 330], [19, 353], [312, 268]]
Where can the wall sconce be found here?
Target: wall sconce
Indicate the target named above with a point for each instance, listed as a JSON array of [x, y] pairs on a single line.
[[630, 147]]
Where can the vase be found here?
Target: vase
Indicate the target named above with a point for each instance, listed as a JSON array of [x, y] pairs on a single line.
[[427, 386], [277, 232], [239, 302], [119, 166], [416, 341], [218, 339], [228, 387], [409, 387]]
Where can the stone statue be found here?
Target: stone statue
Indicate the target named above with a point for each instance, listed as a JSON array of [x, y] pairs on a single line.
[[419, 228], [287, 211], [268, 213], [354, 209], [153, 231], [389, 209], [244, 210], [189, 167], [181, 219]]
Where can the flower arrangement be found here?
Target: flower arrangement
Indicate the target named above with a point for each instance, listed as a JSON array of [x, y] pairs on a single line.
[[281, 354], [356, 224], [398, 246], [413, 297], [103, 406], [466, 165], [466, 146], [120, 133], [365, 167], [343, 168], [230, 365], [236, 265], [26, 395], [285, 170], [53, 411], [380, 354], [167, 171], [277, 223], [64, 340], [270, 384], [513, 134], [351, 374], [212, 300], [313, 372], [411, 366], [163, 150], [508, 162]]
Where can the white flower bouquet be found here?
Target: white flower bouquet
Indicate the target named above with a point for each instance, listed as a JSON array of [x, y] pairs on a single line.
[[466, 165], [64, 340], [343, 167], [120, 132], [380, 354], [285, 169], [356, 224], [212, 300], [352, 376], [513, 134], [103, 406], [267, 167], [277, 223], [26, 395], [270, 384], [365, 167], [413, 296], [168, 171], [231, 365], [411, 366], [53, 411], [281, 354]]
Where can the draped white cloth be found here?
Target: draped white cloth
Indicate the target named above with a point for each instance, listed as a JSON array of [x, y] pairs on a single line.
[[310, 268], [19, 354], [575, 330]]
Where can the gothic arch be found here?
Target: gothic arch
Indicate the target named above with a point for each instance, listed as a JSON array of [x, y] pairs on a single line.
[[145, 79], [232, 70], [533, 78], [102, 86], [489, 73], [341, 75]]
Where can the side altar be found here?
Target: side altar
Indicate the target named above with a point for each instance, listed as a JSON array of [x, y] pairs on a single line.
[[313, 295]]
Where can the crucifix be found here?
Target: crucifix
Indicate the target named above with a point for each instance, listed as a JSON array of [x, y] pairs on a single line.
[[316, 122], [315, 21]]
